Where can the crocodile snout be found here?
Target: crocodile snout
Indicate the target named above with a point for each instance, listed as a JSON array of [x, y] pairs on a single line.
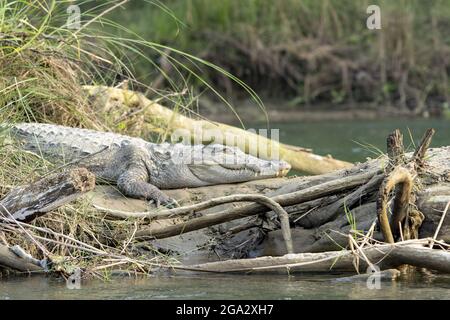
[[283, 168], [276, 168]]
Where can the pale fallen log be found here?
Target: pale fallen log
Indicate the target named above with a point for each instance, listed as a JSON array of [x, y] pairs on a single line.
[[31, 201], [421, 209], [10, 260], [107, 100], [385, 256], [329, 236]]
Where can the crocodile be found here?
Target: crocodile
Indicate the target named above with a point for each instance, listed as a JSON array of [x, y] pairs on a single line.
[[139, 168]]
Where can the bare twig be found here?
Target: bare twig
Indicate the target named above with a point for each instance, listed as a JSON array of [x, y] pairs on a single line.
[[441, 221], [419, 153]]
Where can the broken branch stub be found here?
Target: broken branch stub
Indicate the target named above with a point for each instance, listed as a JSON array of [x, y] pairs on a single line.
[[12, 261], [28, 202], [398, 177], [401, 176]]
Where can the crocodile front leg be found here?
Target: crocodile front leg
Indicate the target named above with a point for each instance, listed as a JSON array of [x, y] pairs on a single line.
[[133, 183]]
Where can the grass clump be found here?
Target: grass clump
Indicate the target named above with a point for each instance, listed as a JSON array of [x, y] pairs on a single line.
[[40, 80], [43, 69]]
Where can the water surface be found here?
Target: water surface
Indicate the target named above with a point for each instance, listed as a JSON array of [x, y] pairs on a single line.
[[355, 140], [226, 287]]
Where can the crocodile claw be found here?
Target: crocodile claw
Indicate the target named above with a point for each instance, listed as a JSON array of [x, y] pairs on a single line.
[[170, 203], [167, 202]]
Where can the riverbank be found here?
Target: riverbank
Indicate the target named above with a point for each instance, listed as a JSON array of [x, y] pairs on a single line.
[[280, 111]]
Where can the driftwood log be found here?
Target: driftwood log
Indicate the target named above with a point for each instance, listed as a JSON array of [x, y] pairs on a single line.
[[28, 202], [11, 260], [386, 256], [31, 201], [300, 196], [395, 197]]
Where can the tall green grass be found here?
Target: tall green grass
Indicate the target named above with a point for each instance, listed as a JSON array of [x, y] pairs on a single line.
[[43, 63]]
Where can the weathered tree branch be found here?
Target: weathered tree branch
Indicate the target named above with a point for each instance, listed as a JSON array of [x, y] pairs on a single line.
[[384, 255], [402, 176], [395, 149], [399, 176], [419, 153], [31, 201], [9, 259]]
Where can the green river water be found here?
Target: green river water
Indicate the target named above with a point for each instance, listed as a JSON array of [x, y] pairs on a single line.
[[329, 137]]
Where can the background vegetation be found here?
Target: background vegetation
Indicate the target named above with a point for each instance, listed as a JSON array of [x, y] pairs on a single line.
[[308, 52]]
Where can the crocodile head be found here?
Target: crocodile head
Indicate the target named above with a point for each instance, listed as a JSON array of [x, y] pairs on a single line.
[[201, 165]]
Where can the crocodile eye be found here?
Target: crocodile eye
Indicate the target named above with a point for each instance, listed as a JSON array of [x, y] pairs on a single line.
[[163, 155], [228, 150]]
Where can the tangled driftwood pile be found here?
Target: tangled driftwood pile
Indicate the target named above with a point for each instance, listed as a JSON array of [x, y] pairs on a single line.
[[333, 221]]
